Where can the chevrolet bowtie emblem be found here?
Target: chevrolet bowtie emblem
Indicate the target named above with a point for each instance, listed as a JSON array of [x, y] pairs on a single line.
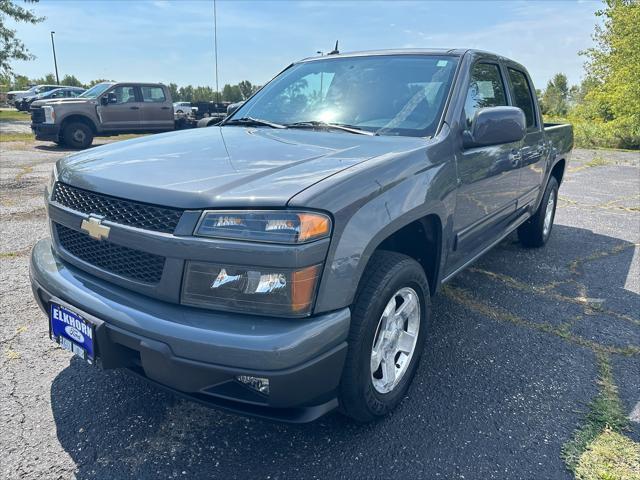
[[94, 228]]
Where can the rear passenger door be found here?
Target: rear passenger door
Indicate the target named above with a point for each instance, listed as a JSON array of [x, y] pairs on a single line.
[[533, 150], [157, 110]]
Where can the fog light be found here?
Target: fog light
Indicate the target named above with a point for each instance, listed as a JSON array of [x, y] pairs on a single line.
[[256, 383]]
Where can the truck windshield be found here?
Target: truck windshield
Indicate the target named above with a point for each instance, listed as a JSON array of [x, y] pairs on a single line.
[[96, 90], [386, 94]]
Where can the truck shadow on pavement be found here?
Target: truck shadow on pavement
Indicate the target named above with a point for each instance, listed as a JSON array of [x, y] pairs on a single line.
[[508, 370]]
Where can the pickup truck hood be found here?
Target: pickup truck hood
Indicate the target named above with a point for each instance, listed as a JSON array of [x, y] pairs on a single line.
[[59, 101], [223, 166]]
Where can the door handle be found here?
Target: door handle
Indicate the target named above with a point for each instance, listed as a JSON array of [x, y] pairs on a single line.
[[164, 108], [134, 108], [515, 156]]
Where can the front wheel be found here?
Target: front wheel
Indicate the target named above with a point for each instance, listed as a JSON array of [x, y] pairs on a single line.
[[388, 327], [536, 231], [77, 135]]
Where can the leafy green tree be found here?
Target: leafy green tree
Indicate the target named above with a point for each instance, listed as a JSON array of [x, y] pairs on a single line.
[[173, 89], [231, 93], [11, 48], [246, 89], [48, 79], [611, 90], [186, 94], [71, 81], [555, 99], [97, 81], [203, 94]]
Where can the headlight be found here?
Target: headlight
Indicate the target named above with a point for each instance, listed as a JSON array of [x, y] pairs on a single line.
[[265, 291], [49, 114], [275, 226]]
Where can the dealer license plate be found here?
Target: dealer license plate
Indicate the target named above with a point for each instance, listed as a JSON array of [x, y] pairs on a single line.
[[72, 332]]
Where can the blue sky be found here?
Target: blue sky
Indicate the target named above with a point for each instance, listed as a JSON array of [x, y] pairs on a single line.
[[172, 41]]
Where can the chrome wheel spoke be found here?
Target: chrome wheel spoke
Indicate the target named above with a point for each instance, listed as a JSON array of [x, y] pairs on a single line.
[[388, 370], [395, 339], [406, 342]]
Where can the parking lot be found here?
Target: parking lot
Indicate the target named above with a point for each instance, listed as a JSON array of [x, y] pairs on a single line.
[[517, 351]]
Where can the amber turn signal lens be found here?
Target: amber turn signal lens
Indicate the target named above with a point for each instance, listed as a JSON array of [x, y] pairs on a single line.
[[303, 287], [313, 226]]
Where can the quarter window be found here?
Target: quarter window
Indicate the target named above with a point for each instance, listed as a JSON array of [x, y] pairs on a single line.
[[153, 94], [522, 95], [486, 89]]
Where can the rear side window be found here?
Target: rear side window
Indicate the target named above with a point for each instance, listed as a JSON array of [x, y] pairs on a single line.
[[486, 89], [153, 94], [522, 97]]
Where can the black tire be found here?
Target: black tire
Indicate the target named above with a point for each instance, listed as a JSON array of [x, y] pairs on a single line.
[[77, 135], [532, 233], [386, 274]]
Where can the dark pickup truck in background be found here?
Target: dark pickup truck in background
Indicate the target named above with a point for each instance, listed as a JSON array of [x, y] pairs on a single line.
[[281, 264]]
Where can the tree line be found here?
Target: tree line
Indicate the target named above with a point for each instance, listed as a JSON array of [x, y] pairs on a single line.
[[188, 93], [605, 106]]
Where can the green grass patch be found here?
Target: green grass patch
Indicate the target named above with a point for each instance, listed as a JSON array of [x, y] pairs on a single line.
[[610, 456], [16, 137], [6, 115], [605, 412], [597, 161]]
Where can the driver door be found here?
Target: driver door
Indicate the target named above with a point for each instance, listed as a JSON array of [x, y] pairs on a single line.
[[488, 176], [125, 113]]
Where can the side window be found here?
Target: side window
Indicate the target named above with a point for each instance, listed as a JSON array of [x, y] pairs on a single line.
[[153, 94], [486, 89], [124, 94], [522, 95]]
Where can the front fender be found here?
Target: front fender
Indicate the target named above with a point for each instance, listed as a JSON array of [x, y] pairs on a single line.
[[381, 200]]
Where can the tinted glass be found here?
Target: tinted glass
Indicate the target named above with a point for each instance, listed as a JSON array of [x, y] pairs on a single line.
[[124, 94], [152, 94], [391, 95], [486, 89], [522, 95]]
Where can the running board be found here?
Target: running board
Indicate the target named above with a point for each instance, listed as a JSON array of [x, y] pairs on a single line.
[[512, 226]]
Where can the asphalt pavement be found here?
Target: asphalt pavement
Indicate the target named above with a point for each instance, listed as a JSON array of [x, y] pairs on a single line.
[[509, 368]]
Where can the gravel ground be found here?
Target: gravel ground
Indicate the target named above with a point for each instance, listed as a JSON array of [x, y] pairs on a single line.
[[508, 371]]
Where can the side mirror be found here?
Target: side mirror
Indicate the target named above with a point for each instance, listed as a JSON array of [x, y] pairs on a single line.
[[494, 126], [233, 107], [108, 98]]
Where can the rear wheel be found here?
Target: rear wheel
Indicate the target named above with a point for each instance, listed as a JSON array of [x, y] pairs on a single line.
[[77, 135], [536, 231], [388, 327]]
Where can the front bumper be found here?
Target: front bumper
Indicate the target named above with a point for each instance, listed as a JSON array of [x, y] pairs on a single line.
[[46, 131], [199, 353]]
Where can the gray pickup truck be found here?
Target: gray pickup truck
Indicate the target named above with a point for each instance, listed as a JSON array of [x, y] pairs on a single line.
[[106, 109], [281, 264]]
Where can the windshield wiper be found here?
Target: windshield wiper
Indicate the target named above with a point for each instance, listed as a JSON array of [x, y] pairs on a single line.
[[253, 121], [337, 126]]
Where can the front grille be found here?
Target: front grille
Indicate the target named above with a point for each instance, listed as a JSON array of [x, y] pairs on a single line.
[[126, 262], [117, 210], [37, 115]]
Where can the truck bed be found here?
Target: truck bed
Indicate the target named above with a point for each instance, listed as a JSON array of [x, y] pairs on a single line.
[[560, 135]]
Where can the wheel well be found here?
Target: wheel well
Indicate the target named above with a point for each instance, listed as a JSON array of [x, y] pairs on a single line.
[[558, 171], [420, 240], [79, 118]]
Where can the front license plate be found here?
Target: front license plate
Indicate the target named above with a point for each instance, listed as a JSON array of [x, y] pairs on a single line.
[[72, 332]]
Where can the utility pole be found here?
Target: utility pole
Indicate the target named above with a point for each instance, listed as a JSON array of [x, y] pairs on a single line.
[[55, 62], [215, 47]]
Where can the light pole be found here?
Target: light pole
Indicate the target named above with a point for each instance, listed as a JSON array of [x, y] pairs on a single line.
[[55, 62]]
